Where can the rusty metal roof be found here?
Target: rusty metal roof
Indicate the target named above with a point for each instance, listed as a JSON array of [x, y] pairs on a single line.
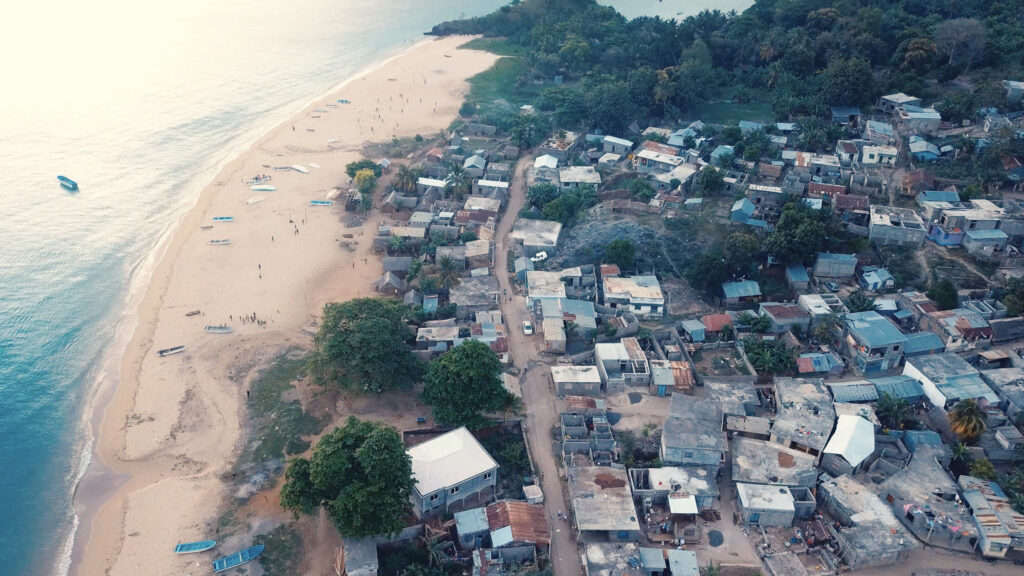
[[528, 522]]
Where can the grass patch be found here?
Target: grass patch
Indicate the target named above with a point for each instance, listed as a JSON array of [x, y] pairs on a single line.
[[279, 422], [506, 446], [499, 46], [730, 112], [506, 81], [283, 555]]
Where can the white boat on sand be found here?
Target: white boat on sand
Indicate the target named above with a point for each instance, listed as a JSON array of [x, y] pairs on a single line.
[[220, 242], [255, 199], [263, 188], [299, 168], [218, 329]]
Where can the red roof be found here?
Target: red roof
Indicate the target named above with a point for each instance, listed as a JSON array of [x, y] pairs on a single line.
[[609, 270], [849, 147], [825, 189], [659, 148], [785, 311], [528, 521], [850, 202], [770, 170], [716, 322], [1010, 163]]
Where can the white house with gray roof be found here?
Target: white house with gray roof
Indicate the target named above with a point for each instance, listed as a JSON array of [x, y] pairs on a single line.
[[449, 469]]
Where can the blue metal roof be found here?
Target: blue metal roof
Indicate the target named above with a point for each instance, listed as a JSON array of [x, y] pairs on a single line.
[[471, 521], [757, 223], [939, 196], [921, 342], [743, 204], [899, 387], [987, 235], [854, 392], [746, 125], [879, 127], [839, 257], [871, 329], [879, 277], [797, 273], [912, 439], [693, 325], [741, 289]]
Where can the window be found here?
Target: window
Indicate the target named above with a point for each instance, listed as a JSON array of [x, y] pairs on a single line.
[[488, 475], [687, 454], [454, 490], [434, 497], [896, 348]]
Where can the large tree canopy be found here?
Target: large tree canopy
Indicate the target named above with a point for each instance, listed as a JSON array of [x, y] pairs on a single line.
[[464, 383], [362, 345], [799, 234], [360, 473]]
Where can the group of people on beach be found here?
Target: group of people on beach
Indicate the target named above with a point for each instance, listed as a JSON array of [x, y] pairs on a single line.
[[247, 318]]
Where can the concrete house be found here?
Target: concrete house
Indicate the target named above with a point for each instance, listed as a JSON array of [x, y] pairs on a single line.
[[835, 266], [740, 292], [602, 504], [959, 328], [475, 165], [561, 148], [640, 295], [917, 119], [891, 225], [543, 285], [448, 470], [1001, 527], [554, 335], [694, 329], [721, 152], [947, 379], [472, 527], [845, 115], [572, 177], [985, 244], [876, 344], [622, 364], [879, 154], [761, 462], [847, 151], [1014, 90], [805, 414], [536, 235], [879, 133], [871, 536], [648, 161], [613, 145], [742, 210], [681, 490], [851, 444], [428, 185], [785, 317], [576, 380], [890, 103], [472, 295], [923, 150], [693, 432], [796, 276], [761, 505], [580, 313], [875, 279]]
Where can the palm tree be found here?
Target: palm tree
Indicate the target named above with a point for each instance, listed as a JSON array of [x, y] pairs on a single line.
[[447, 271], [435, 550], [891, 410], [397, 244], [457, 182], [960, 461], [967, 420], [405, 179], [861, 302], [512, 405]]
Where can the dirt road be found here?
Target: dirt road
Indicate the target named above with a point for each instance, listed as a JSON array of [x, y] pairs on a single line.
[[538, 398]]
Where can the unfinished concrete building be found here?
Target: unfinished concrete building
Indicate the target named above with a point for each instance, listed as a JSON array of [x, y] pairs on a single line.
[[805, 414], [602, 504], [586, 440]]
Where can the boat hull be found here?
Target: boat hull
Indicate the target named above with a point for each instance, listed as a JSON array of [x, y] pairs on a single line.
[[68, 184], [170, 351], [194, 547], [237, 559]]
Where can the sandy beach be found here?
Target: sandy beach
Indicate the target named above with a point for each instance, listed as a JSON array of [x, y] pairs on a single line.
[[173, 426]]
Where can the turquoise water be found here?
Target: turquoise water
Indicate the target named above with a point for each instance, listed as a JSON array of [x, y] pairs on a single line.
[[140, 102]]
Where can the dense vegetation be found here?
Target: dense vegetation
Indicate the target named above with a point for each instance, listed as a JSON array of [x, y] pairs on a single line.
[[463, 384], [801, 55], [360, 473]]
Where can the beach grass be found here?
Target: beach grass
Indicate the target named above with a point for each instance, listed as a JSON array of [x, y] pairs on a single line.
[[733, 112], [506, 81], [499, 46], [278, 420]]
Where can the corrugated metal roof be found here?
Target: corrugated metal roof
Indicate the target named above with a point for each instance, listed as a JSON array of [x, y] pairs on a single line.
[[797, 273], [987, 235], [854, 439], [899, 387], [854, 392], [919, 342], [741, 289], [872, 330], [471, 521], [527, 522]]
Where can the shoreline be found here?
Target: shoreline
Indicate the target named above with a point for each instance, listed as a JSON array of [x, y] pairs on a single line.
[[128, 464]]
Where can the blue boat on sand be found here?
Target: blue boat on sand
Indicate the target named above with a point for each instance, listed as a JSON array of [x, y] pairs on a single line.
[[192, 547], [321, 202], [237, 559], [68, 184]]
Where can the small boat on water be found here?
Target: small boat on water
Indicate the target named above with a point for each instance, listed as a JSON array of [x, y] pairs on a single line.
[[237, 559], [263, 188], [321, 202], [193, 547], [68, 184], [171, 350], [255, 199], [219, 329], [220, 242], [299, 168], [223, 218]]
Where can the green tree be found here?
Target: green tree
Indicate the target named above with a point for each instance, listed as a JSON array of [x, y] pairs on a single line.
[[710, 180], [847, 81], [360, 473], [712, 569], [362, 345], [352, 168], [983, 469], [641, 190], [944, 294], [464, 383], [891, 411], [859, 301], [541, 194], [769, 356], [365, 181], [825, 328], [740, 251], [405, 179], [447, 271], [798, 236], [620, 252], [457, 183], [708, 272], [755, 323], [967, 420]]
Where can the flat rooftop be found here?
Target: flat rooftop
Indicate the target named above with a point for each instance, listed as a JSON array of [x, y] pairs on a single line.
[[601, 499], [805, 411], [763, 462], [536, 232]]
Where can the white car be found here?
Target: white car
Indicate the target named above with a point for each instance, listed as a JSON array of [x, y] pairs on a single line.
[[527, 328], [540, 257]]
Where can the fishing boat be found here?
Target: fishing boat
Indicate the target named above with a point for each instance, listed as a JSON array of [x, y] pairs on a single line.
[[68, 184], [321, 202], [282, 168], [237, 559], [333, 193], [255, 199], [171, 350], [220, 242], [219, 329], [299, 168], [205, 228], [258, 179], [343, 101], [312, 165], [193, 313], [263, 188], [193, 547], [223, 218]]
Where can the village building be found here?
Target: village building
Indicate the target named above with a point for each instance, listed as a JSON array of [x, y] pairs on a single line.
[[681, 490], [579, 316], [821, 306], [835, 266], [850, 446], [845, 115], [613, 559], [959, 328], [715, 324], [761, 505], [543, 285], [613, 145], [742, 210], [602, 504], [536, 236], [517, 528], [922, 150], [891, 225], [572, 177], [450, 469], [890, 103], [761, 462], [1014, 90], [472, 295], [947, 379], [880, 133], [1000, 527], [871, 535], [875, 343], [692, 434], [640, 295], [622, 364], [910, 118], [427, 185], [735, 293], [879, 154], [805, 415], [576, 380], [562, 147], [876, 279], [796, 276], [785, 317], [922, 344]]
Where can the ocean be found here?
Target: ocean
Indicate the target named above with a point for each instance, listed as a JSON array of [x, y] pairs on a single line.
[[140, 102]]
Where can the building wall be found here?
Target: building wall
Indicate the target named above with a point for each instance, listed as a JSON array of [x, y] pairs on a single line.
[[578, 388], [688, 456], [761, 517], [896, 235], [424, 506]]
